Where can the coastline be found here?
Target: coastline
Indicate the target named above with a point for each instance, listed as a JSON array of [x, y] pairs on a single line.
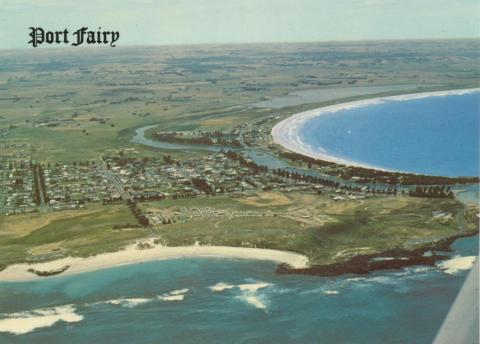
[[288, 262], [286, 132], [363, 264], [132, 254]]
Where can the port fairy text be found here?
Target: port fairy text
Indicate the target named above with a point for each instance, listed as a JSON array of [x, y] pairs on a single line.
[[82, 36]]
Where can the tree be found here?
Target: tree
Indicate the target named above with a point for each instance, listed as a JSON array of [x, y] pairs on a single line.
[[361, 217]]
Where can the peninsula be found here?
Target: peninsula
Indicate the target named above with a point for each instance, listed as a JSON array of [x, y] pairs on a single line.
[[171, 151]]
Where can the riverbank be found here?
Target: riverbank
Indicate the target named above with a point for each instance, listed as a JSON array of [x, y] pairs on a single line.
[[287, 132], [145, 252]]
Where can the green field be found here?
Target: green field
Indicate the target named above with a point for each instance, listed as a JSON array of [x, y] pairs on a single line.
[[80, 233], [369, 226], [102, 97], [310, 224]]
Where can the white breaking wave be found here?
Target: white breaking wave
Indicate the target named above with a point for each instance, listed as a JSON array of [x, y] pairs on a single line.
[[250, 287], [179, 291], [330, 292], [25, 322], [419, 269], [253, 300], [328, 289], [219, 287], [249, 292], [457, 264], [171, 298], [253, 287], [130, 303], [386, 280], [176, 295], [357, 279]]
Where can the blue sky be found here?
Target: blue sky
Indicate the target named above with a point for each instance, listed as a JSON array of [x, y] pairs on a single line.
[[155, 22]]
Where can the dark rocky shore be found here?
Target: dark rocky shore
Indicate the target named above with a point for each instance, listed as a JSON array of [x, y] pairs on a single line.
[[390, 259], [49, 272]]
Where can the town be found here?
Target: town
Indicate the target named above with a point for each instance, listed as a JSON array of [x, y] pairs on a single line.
[[29, 186]]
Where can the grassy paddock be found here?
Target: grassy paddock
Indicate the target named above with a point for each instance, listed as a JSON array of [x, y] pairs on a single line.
[[310, 224]]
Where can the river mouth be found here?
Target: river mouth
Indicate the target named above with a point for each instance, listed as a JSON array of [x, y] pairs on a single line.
[[433, 133]]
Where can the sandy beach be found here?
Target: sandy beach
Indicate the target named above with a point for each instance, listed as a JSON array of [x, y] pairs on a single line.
[[287, 133], [132, 255]]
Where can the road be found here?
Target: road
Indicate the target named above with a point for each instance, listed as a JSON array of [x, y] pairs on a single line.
[[38, 180], [115, 181]]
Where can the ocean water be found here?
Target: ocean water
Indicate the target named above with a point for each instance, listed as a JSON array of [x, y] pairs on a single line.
[[437, 135], [235, 301]]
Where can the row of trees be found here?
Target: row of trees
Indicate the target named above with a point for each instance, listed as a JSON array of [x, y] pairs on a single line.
[[397, 178], [171, 137], [432, 192], [110, 200], [149, 197], [330, 183], [168, 159], [246, 162], [367, 175], [39, 184], [305, 159], [202, 185], [419, 191], [137, 212], [307, 178]]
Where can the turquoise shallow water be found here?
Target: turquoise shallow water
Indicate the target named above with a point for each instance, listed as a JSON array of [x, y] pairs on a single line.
[[436, 135], [402, 306]]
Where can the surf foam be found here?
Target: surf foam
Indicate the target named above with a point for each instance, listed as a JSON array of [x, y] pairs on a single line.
[[331, 292], [219, 287], [253, 287], [250, 294], [457, 264], [176, 295], [253, 300], [130, 303], [25, 322]]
